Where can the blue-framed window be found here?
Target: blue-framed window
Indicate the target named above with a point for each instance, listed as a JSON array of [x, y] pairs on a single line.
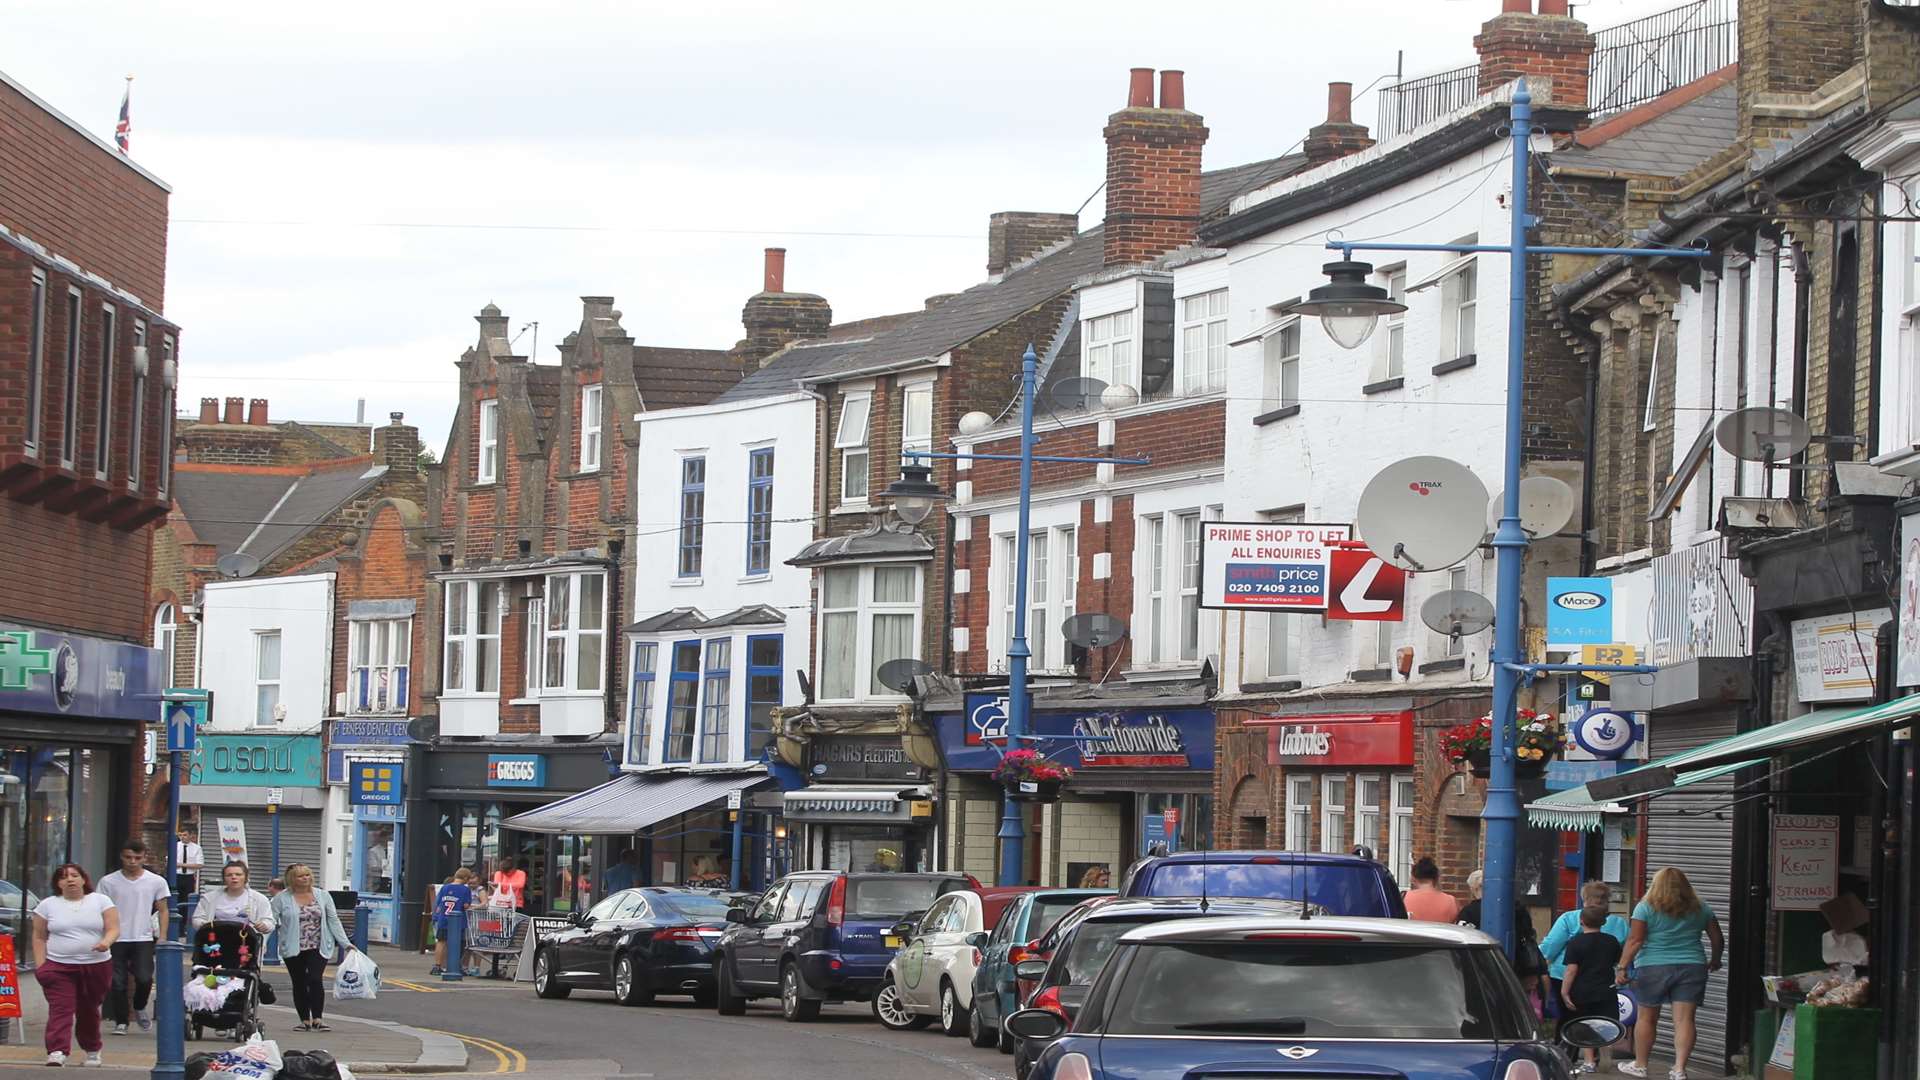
[[759, 510], [763, 691], [640, 703], [683, 702], [693, 514], [716, 702]]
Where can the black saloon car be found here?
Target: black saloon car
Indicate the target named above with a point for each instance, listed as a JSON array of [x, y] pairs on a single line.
[[636, 943]]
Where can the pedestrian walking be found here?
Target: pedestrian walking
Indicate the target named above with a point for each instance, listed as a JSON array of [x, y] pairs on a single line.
[[1426, 901], [310, 936], [73, 935], [450, 903], [1567, 927], [624, 873], [188, 861], [233, 902], [1588, 989], [140, 898], [1669, 965], [1528, 963]]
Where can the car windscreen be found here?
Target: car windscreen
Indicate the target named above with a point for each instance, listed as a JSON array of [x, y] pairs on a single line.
[[1341, 890], [690, 905], [1045, 913], [1092, 943], [881, 896], [1334, 990]]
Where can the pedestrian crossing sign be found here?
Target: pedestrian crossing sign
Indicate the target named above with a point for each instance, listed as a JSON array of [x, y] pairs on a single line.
[[376, 783]]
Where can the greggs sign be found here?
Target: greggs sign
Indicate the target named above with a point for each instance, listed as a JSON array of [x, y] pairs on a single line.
[[1345, 739]]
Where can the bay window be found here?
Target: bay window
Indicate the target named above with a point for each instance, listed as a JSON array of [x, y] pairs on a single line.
[[378, 658], [868, 615], [716, 702], [646, 655], [683, 703], [472, 661], [764, 682], [576, 614]]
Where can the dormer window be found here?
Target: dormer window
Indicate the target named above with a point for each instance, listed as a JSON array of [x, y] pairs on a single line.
[[1112, 353]]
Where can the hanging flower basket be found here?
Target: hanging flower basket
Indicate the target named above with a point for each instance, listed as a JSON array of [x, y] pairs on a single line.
[[1480, 764], [1028, 776], [1536, 741]]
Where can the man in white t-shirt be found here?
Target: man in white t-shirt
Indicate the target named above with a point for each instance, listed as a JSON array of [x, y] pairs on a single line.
[[139, 896]]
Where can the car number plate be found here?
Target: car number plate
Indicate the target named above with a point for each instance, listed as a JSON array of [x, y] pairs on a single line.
[[892, 941]]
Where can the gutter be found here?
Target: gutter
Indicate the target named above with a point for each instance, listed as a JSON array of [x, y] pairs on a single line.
[[877, 369]]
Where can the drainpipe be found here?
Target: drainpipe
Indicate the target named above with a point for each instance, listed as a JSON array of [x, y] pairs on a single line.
[[1563, 310], [1802, 305]]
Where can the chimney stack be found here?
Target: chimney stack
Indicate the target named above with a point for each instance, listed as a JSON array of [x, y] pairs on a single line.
[[397, 445], [1339, 135], [257, 412], [1153, 171], [1014, 236], [209, 410], [236, 411], [775, 317], [1551, 50], [775, 276]]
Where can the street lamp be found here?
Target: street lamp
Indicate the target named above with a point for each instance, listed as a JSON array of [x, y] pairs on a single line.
[[914, 494], [1348, 307]]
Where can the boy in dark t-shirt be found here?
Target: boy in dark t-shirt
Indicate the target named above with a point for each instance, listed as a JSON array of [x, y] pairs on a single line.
[[450, 903], [1587, 988]]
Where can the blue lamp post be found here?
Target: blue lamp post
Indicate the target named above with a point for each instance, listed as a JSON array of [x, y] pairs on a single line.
[[913, 496], [1348, 309]]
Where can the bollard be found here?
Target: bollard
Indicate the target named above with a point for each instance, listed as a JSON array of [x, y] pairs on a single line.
[[169, 1011], [455, 969], [360, 927], [270, 952]]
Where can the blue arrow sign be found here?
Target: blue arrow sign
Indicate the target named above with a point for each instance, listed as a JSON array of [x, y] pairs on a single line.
[[182, 724]]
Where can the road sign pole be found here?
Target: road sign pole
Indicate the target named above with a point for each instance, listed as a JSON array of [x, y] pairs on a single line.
[[170, 1037]]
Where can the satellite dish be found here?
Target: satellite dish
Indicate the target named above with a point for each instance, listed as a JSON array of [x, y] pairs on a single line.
[[1546, 505], [1457, 613], [237, 564], [1423, 513], [423, 728], [898, 675], [1763, 434], [1079, 394], [1094, 630]]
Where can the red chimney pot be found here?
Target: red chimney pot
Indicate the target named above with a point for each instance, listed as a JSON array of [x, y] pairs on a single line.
[[236, 411], [776, 271], [1339, 103], [1522, 7], [1554, 7], [1140, 88], [209, 410], [257, 412], [1173, 89]]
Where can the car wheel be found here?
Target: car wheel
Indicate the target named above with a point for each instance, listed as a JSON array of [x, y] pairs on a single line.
[[1022, 1064], [725, 999], [545, 982], [1003, 1038], [977, 1031], [795, 1005], [627, 988], [953, 1015], [891, 1010]]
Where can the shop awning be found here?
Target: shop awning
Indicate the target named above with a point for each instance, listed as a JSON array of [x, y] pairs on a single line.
[[828, 802], [630, 803], [1576, 810]]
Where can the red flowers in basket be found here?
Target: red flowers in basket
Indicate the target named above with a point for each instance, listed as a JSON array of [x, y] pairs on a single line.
[[1017, 765], [1537, 739]]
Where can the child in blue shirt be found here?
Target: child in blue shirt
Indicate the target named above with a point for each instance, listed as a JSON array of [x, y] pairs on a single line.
[[451, 902]]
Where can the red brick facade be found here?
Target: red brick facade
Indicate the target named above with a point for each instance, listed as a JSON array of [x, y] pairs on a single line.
[[1549, 45], [1153, 180]]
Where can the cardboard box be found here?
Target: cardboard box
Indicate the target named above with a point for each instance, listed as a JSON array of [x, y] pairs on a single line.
[[1845, 913]]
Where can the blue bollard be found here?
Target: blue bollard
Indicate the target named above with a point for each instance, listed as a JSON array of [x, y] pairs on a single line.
[[170, 1011], [454, 969], [270, 952], [360, 927]]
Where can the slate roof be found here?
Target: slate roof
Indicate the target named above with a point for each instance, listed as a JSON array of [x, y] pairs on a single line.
[[671, 378], [263, 514], [863, 546], [777, 375], [1671, 143], [1220, 187]]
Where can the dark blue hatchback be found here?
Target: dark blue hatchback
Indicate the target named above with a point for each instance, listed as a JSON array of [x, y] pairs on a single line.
[[1343, 884]]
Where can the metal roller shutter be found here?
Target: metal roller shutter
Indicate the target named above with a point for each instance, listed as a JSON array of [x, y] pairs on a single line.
[[1692, 829], [300, 842]]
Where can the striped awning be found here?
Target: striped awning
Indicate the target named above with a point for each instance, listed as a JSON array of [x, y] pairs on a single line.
[[631, 802]]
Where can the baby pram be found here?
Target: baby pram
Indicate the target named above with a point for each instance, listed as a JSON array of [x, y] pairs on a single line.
[[223, 990]]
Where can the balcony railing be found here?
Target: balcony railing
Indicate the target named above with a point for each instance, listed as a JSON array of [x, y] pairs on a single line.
[[1633, 63]]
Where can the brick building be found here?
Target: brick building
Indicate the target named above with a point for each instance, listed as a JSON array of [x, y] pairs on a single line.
[[87, 376]]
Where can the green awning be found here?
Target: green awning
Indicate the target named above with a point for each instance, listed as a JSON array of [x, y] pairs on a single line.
[[1575, 809]]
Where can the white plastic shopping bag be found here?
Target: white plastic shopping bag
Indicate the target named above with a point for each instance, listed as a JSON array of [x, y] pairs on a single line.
[[255, 1059], [357, 977]]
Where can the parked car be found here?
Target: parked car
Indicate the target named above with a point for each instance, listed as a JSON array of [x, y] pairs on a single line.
[[636, 943], [1329, 996], [931, 977], [995, 987], [1081, 951], [820, 936], [1342, 884]]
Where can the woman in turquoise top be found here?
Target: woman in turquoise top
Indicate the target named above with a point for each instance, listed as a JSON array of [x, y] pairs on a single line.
[[1567, 927], [1672, 966]]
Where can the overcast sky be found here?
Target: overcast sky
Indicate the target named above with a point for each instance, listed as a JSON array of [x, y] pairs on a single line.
[[353, 181]]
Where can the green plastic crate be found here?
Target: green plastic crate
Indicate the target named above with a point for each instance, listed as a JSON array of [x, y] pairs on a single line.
[[1835, 1044]]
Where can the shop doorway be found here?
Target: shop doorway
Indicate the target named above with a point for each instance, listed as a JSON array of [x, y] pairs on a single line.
[[57, 805]]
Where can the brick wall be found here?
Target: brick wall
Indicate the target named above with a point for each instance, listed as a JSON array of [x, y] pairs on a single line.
[[1516, 44], [389, 562], [1153, 182], [74, 574]]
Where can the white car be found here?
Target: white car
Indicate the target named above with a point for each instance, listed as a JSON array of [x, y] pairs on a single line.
[[931, 977]]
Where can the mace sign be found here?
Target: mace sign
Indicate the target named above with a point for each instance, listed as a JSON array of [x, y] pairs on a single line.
[[1268, 566], [1341, 739]]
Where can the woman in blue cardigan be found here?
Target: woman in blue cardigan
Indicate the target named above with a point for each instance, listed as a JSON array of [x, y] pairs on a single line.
[[310, 937], [1567, 927]]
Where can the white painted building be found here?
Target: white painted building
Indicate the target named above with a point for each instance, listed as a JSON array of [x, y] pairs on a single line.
[[266, 652]]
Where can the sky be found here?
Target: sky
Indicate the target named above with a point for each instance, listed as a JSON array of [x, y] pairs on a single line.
[[352, 182]]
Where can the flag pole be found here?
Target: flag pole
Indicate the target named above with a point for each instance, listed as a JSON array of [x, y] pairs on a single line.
[[123, 128]]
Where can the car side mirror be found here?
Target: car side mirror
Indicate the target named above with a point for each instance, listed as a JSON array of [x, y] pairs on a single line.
[[737, 915], [1036, 1025], [1031, 969], [574, 918], [904, 928], [979, 939], [1591, 1032]]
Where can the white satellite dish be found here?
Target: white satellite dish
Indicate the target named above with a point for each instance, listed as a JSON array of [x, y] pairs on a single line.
[[1546, 505], [1457, 613], [1762, 434], [1423, 513]]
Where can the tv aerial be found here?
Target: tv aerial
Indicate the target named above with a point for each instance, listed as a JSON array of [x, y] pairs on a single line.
[[1763, 434], [1081, 393], [898, 675], [1094, 630], [1457, 613], [1546, 505], [1423, 513], [237, 564]]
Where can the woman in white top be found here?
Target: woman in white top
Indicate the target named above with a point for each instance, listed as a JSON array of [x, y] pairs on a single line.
[[73, 935], [235, 903]]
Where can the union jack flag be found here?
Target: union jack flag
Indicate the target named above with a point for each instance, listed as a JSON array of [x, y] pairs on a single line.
[[123, 130]]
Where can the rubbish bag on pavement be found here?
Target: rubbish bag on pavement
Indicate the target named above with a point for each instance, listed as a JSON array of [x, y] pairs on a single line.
[[255, 1059], [309, 1065], [357, 977]]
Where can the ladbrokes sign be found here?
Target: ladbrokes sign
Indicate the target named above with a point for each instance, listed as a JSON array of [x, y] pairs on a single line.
[[1345, 739]]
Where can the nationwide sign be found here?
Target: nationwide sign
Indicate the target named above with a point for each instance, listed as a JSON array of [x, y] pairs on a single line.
[[1268, 566], [1173, 737], [1340, 739]]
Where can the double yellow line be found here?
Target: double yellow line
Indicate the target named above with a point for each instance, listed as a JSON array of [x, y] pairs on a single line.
[[509, 1059]]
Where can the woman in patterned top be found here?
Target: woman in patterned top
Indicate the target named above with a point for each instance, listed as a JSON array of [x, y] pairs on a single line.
[[310, 937]]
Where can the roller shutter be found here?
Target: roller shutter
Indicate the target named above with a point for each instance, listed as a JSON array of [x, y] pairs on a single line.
[[300, 842]]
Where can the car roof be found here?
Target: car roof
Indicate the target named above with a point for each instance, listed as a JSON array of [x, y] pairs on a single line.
[[1321, 857], [1125, 907], [1241, 928], [1003, 892]]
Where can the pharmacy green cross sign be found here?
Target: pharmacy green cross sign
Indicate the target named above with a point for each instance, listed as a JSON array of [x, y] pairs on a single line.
[[20, 661]]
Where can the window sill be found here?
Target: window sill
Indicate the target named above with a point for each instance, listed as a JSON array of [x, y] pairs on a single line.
[[751, 579], [1371, 675], [685, 582], [523, 701], [1458, 363], [1271, 686], [1164, 674], [1454, 663], [581, 473], [851, 510], [568, 695], [481, 485], [1384, 385], [1281, 413], [461, 695]]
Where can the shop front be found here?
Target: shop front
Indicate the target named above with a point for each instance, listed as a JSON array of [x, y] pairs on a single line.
[[866, 806], [1142, 774], [367, 816], [73, 712], [259, 799]]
